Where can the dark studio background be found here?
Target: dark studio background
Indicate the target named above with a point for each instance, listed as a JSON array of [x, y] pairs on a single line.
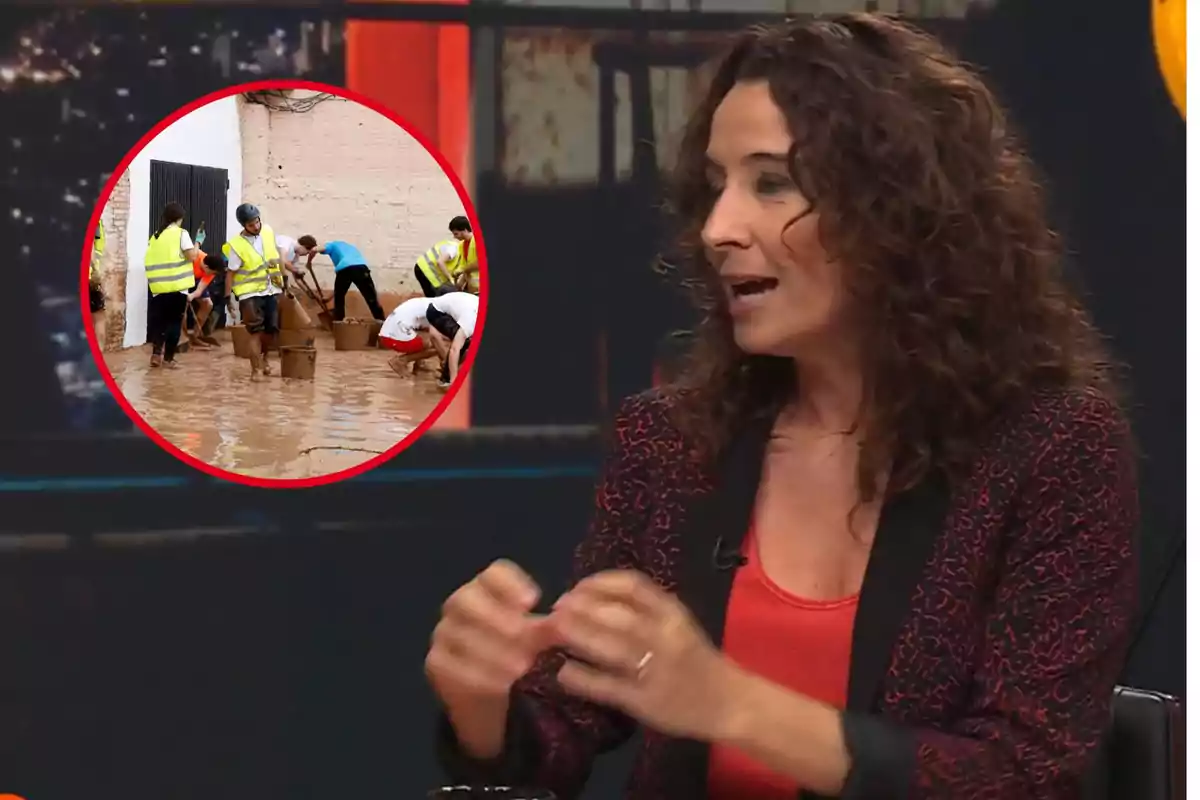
[[173, 636]]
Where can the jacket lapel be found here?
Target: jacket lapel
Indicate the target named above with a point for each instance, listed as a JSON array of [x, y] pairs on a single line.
[[717, 519], [908, 528]]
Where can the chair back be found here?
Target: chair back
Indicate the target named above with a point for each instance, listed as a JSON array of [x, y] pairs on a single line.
[[1143, 756]]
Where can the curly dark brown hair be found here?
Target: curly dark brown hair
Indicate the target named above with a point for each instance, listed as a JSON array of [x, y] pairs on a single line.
[[923, 193]]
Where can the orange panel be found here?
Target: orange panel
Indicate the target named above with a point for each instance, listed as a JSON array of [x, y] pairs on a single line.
[[422, 72], [395, 63], [454, 94]]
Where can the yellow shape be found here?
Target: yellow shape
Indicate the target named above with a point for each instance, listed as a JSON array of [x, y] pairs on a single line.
[[1169, 24]]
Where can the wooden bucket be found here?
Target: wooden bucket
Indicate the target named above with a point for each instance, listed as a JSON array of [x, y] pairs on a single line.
[[351, 335], [241, 340], [292, 316], [295, 338], [298, 362], [373, 339]]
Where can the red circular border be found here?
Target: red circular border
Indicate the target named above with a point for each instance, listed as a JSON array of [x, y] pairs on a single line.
[[271, 483]]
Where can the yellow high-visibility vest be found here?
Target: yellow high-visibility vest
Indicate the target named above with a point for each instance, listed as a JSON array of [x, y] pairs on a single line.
[[166, 268], [428, 264], [468, 256], [97, 250], [257, 271]]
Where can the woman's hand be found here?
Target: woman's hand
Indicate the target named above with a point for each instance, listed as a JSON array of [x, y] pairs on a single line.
[[637, 648], [486, 639]]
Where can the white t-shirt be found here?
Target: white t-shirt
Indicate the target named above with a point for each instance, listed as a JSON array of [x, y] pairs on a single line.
[[408, 318], [448, 251], [235, 263], [185, 241], [286, 246], [463, 308]]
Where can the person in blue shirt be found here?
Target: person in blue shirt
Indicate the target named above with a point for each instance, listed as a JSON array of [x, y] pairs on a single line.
[[349, 268]]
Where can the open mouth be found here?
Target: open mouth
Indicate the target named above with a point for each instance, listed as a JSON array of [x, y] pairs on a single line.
[[749, 287]]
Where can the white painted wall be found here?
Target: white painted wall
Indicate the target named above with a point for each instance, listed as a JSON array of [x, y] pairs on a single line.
[[210, 136]]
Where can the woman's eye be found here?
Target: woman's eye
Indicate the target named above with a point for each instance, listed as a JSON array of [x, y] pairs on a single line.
[[772, 184]]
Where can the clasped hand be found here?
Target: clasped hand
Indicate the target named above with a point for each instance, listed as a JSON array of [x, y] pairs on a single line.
[[633, 646], [629, 644]]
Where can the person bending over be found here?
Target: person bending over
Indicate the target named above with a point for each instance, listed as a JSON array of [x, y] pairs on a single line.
[[452, 324], [404, 333], [255, 277], [349, 268], [436, 267], [168, 262], [289, 254], [205, 268], [877, 540]]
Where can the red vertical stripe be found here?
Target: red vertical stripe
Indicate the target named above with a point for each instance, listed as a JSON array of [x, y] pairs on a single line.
[[454, 95]]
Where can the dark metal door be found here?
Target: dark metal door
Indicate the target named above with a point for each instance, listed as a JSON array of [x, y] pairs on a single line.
[[202, 191], [169, 183], [207, 205]]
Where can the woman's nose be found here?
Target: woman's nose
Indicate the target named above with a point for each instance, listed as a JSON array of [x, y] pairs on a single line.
[[728, 224]]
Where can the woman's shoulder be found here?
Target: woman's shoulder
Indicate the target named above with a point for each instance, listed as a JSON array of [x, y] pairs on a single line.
[[1068, 418], [1062, 442], [644, 435], [647, 418]]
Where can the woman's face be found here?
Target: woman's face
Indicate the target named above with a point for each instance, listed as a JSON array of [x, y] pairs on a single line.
[[782, 290]]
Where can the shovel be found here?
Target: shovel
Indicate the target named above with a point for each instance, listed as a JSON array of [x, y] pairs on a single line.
[[318, 297], [299, 279]]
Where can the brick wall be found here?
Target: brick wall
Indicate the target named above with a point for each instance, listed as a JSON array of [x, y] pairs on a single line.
[[114, 265], [341, 171]]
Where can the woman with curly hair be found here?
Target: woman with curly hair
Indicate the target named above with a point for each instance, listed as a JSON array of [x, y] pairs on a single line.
[[876, 541]]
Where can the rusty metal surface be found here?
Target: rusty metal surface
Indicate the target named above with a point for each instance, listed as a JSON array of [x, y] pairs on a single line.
[[939, 8], [551, 88], [551, 105]]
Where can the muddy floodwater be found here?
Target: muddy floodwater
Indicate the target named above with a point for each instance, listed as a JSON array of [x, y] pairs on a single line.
[[355, 408]]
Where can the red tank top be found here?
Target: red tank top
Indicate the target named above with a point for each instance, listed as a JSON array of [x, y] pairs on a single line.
[[798, 643]]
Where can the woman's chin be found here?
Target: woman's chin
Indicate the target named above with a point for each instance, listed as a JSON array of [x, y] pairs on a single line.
[[758, 342], [791, 335]]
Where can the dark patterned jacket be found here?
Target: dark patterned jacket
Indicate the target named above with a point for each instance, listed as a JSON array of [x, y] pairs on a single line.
[[993, 621]]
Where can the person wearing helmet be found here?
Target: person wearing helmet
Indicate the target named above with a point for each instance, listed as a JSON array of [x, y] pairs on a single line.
[[255, 278], [349, 267]]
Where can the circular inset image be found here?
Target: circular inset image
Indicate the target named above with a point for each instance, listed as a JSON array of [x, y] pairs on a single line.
[[283, 284]]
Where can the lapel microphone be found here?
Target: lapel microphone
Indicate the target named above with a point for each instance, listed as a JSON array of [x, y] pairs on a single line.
[[725, 558]]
